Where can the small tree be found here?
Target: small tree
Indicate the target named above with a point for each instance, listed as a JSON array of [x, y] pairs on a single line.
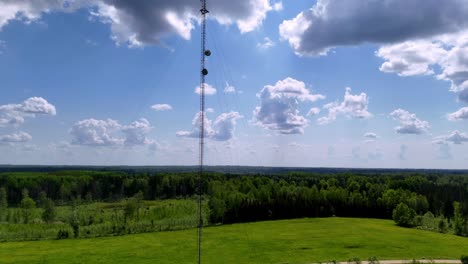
[[49, 213], [27, 205], [403, 215], [217, 210], [3, 204], [74, 222], [458, 220], [42, 199], [132, 206]]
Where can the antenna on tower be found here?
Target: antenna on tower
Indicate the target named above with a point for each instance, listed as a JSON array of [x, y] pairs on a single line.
[[203, 73]]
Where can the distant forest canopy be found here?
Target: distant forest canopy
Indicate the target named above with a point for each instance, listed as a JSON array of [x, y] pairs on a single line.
[[236, 197]]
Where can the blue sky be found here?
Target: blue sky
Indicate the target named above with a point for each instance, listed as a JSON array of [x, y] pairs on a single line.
[[314, 84]]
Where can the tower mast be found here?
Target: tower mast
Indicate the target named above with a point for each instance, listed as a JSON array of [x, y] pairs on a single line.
[[203, 73]]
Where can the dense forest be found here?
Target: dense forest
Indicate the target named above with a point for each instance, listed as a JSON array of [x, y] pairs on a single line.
[[410, 198]]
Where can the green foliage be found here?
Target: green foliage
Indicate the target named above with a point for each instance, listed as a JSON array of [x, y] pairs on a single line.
[[354, 260], [42, 199], [233, 198], [132, 206], [373, 260], [101, 219], [460, 221], [3, 204], [442, 225], [27, 205], [49, 213], [403, 215], [464, 259], [63, 234], [74, 221], [217, 208]]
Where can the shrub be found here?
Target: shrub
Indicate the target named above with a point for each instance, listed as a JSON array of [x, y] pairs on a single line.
[[373, 260], [49, 211], [464, 259], [442, 226], [27, 205], [3, 203], [418, 220], [403, 215], [63, 234], [354, 260]]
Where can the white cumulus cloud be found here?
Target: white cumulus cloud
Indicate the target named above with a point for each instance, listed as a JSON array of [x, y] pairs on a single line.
[[279, 106], [15, 114], [136, 133], [138, 23], [443, 56], [456, 137], [411, 57], [462, 113], [92, 132], [161, 107], [266, 44], [352, 106], [209, 90], [109, 132], [331, 23], [222, 129], [370, 135], [19, 137], [409, 123]]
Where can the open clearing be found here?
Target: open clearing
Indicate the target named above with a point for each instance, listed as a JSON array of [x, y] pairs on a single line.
[[287, 241]]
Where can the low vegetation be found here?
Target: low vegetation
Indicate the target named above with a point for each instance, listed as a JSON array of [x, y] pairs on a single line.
[[78, 203], [464, 259], [283, 241], [81, 220]]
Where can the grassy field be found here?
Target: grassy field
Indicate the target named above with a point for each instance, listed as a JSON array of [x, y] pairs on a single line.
[[289, 241]]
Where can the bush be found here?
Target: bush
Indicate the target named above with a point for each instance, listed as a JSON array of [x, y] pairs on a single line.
[[418, 220], [403, 215], [442, 226], [373, 260], [464, 259], [63, 234], [27, 205], [354, 260], [49, 213]]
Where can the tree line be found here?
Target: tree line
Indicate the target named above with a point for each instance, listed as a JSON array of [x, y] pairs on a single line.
[[240, 198]]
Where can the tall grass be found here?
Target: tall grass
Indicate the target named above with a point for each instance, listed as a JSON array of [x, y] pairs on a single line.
[[103, 219]]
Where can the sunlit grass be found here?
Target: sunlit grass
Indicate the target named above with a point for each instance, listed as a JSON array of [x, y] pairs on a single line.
[[288, 241]]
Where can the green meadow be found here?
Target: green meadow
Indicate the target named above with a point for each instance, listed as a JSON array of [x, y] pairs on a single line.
[[286, 241]]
